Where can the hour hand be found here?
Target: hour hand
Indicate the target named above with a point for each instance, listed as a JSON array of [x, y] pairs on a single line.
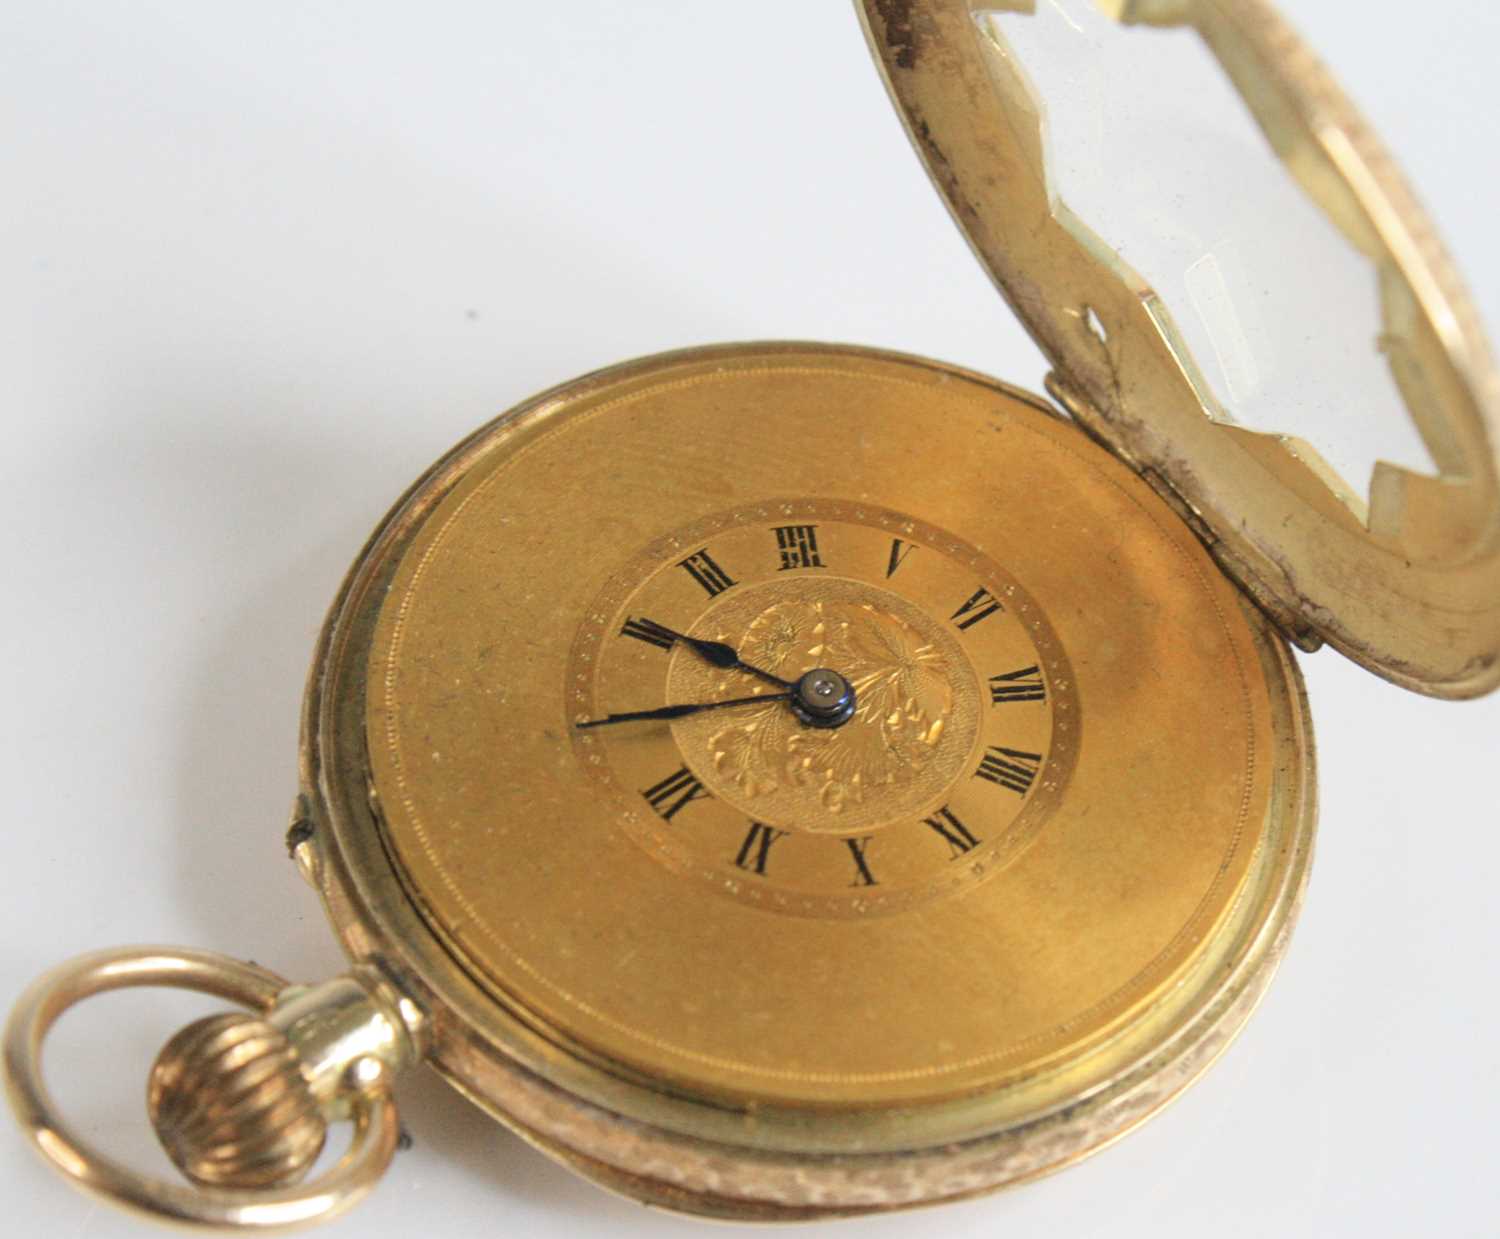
[[680, 711], [718, 653]]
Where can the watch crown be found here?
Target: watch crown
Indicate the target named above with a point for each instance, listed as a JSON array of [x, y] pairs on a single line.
[[231, 1106]]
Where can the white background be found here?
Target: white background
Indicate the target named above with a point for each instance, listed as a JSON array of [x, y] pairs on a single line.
[[261, 263]]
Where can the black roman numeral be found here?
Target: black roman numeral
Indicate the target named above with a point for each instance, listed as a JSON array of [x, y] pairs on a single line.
[[798, 545], [1023, 685], [650, 632], [862, 874], [677, 789], [756, 849], [960, 838], [1009, 768], [981, 606], [899, 551], [701, 568]]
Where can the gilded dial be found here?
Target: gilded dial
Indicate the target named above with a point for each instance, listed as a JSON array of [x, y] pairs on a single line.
[[960, 732], [1026, 843]]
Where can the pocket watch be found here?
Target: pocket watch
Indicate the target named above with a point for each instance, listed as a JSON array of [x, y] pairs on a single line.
[[784, 781]]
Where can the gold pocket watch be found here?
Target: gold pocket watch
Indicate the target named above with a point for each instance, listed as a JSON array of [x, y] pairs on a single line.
[[784, 780]]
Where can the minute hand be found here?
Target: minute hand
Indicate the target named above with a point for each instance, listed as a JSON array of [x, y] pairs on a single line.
[[680, 711]]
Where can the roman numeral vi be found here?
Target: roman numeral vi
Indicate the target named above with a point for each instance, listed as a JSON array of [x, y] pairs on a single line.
[[981, 606]]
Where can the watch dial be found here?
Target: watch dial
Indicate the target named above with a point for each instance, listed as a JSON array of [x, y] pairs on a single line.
[[959, 738], [808, 727]]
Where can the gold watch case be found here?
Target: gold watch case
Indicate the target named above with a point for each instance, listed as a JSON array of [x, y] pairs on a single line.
[[722, 1038], [740, 964]]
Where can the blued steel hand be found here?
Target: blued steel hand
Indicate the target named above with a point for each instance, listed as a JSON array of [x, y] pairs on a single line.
[[680, 711], [722, 655]]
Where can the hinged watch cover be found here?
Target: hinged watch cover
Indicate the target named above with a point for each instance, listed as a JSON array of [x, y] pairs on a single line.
[[1409, 586]]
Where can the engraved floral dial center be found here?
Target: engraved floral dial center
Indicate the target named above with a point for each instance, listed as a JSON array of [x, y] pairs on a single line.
[[898, 721]]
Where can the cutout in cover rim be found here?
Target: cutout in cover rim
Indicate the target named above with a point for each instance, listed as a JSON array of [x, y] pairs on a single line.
[[1413, 591]]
